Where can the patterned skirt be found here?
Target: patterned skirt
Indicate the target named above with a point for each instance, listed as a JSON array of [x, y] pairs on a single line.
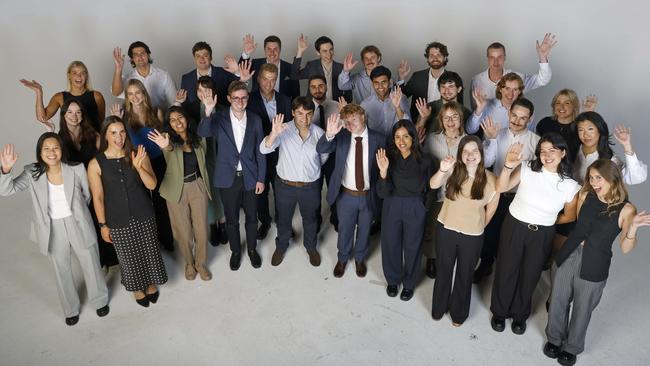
[[138, 252]]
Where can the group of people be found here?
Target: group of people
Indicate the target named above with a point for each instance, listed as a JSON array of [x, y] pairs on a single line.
[[465, 186]]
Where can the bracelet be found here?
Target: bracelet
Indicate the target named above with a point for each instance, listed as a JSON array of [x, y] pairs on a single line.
[[628, 238], [443, 171], [630, 153], [101, 224], [508, 167]]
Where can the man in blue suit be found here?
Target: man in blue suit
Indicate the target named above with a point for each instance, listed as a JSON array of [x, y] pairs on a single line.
[[352, 185], [240, 164], [267, 103]]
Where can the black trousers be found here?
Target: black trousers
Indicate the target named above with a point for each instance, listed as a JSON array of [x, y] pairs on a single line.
[[163, 225], [454, 248], [234, 198], [523, 250], [307, 199], [492, 233], [263, 203]]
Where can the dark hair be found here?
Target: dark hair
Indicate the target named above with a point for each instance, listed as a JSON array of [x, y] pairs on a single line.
[[273, 39], [460, 175], [137, 44], [617, 195], [380, 71], [450, 77], [370, 49], [201, 45], [524, 103], [305, 102], [40, 166], [558, 142], [441, 47], [416, 148], [236, 85], [496, 46], [604, 140], [88, 133], [321, 41], [317, 77], [193, 138], [207, 82], [103, 143]]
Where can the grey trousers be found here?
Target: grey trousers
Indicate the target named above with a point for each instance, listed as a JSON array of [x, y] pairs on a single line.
[[569, 287], [64, 240]]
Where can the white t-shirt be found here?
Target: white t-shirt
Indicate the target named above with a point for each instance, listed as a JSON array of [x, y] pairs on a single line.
[[57, 204], [541, 196]]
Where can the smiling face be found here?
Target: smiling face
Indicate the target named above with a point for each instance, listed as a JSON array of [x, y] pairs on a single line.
[[381, 84], [403, 141], [435, 59], [449, 92], [238, 100], [518, 119], [599, 184], [78, 77], [451, 122], [496, 58], [73, 116], [588, 134], [51, 152], [272, 52], [563, 108], [202, 59], [267, 82], [140, 57], [471, 155], [116, 135], [134, 95], [318, 89], [550, 156], [355, 123], [178, 122], [510, 92], [302, 117], [370, 61], [326, 52]]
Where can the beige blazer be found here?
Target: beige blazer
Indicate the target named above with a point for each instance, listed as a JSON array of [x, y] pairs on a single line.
[[75, 185], [172, 184]]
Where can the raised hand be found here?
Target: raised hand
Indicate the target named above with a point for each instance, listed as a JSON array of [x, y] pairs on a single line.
[[138, 159], [208, 100], [396, 97], [382, 162], [181, 96], [161, 139], [34, 85], [641, 219], [423, 108], [249, 45], [544, 48], [8, 158], [403, 70], [277, 125], [230, 64], [590, 102], [489, 128], [447, 164], [49, 126], [422, 133], [118, 58], [514, 155], [349, 63], [342, 103], [334, 125], [302, 45], [623, 136], [245, 72], [117, 110], [259, 188], [480, 100]]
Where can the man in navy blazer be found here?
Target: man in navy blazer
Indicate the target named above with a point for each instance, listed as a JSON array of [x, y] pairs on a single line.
[[324, 65], [272, 48], [240, 165], [266, 103], [352, 185]]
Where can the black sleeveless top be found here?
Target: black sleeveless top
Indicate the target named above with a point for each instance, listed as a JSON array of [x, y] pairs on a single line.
[[124, 193], [87, 99], [598, 229]]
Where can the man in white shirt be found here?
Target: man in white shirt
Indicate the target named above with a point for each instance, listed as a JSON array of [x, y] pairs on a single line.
[[383, 107], [487, 80], [159, 84], [359, 82]]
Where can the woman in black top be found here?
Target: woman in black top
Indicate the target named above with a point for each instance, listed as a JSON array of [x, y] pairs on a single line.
[[584, 260], [120, 180], [80, 139], [403, 212]]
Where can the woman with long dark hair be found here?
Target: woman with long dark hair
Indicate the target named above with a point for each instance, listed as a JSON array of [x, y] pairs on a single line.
[[470, 201], [403, 189], [185, 188], [582, 265], [120, 179], [545, 188], [61, 224]]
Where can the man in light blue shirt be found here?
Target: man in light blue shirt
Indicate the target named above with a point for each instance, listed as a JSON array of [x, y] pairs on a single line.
[[359, 82], [383, 107], [298, 176]]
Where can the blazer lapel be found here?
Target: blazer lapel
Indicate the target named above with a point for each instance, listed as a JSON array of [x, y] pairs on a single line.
[[262, 107], [226, 124], [40, 186], [249, 129], [68, 183]]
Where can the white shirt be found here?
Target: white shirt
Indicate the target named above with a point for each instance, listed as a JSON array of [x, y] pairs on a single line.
[[238, 131], [500, 117], [497, 149], [541, 196], [159, 85], [433, 93], [531, 81], [349, 180], [57, 204], [330, 107], [633, 170], [327, 73], [382, 115], [198, 74]]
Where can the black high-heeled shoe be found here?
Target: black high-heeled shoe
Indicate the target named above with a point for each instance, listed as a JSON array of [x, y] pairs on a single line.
[[153, 298], [143, 301]]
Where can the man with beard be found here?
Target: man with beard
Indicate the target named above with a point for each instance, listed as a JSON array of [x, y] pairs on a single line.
[[383, 107], [450, 86], [359, 82]]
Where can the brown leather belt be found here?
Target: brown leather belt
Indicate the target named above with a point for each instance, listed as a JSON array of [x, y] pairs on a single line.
[[294, 184], [354, 193]]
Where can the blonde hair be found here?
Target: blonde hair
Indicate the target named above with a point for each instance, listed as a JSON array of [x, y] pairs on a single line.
[[150, 114], [352, 109], [573, 98], [87, 85]]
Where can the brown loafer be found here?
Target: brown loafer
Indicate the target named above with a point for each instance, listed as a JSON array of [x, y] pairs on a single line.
[[277, 257], [204, 273], [314, 257], [361, 268], [190, 272], [339, 269]]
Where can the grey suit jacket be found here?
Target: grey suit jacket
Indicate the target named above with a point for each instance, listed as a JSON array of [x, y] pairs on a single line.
[[77, 194]]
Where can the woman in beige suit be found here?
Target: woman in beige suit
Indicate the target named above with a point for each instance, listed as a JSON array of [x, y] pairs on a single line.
[[185, 187], [62, 223]]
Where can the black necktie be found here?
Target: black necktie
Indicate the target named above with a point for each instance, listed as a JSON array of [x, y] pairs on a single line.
[[321, 116]]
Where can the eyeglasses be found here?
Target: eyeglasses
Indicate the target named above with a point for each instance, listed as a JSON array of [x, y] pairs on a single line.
[[239, 99], [453, 117]]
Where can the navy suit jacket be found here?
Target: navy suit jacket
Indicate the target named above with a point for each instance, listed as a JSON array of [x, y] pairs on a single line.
[[314, 67], [418, 87], [288, 86], [253, 162], [341, 144], [221, 77], [256, 105]]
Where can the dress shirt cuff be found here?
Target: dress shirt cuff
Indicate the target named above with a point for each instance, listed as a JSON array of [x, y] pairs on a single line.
[[245, 56], [328, 138]]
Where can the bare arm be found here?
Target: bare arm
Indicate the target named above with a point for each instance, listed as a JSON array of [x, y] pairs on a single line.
[[101, 106], [570, 212], [116, 87], [97, 190], [491, 208]]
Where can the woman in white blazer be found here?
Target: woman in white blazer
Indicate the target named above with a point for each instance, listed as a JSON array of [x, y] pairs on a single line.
[[62, 223]]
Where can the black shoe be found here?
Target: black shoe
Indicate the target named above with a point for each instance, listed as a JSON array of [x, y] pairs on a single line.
[[566, 359], [235, 261], [431, 268], [103, 311], [551, 350], [263, 230], [518, 327], [153, 298], [222, 233], [72, 320], [143, 301], [256, 261], [375, 227], [498, 324], [482, 271], [406, 294], [391, 290], [214, 234]]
